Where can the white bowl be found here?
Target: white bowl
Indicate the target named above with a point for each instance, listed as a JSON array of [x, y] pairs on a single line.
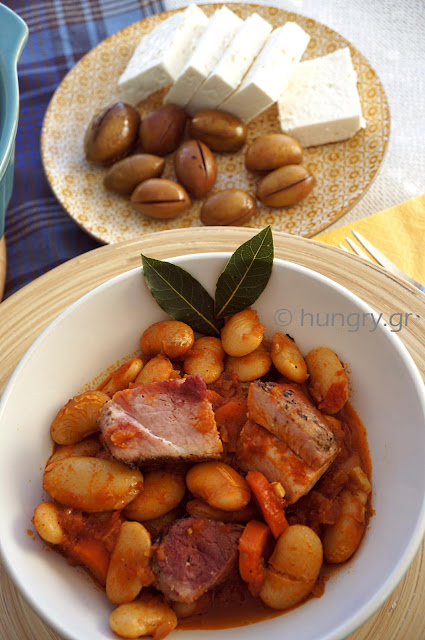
[[103, 327]]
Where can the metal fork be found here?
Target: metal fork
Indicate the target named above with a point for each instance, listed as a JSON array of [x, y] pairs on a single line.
[[379, 257]]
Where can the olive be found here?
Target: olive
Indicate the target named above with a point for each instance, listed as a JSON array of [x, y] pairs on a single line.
[[195, 167], [112, 134], [228, 207], [124, 176], [220, 130], [160, 198], [285, 186], [162, 130], [272, 151]]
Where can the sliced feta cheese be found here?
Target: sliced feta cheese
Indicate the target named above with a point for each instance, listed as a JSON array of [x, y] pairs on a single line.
[[161, 54], [269, 74], [221, 28], [232, 66], [321, 103]]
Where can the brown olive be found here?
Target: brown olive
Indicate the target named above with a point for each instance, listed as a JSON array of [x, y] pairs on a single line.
[[218, 129], [160, 198], [112, 134], [228, 207], [162, 130], [195, 167], [124, 176], [272, 151], [285, 186]]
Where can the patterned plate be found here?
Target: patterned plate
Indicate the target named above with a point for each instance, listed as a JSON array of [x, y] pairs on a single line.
[[343, 170]]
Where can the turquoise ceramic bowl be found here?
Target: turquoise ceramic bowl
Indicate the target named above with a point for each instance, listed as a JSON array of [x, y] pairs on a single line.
[[13, 36]]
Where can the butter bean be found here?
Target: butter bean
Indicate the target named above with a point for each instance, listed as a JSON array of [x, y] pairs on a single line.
[[342, 539], [159, 368], [328, 382], [47, 523], [170, 337], [92, 484], [250, 367], [288, 359], [219, 485], [87, 447], [162, 491], [293, 567], [146, 616], [121, 377], [129, 568], [242, 333], [205, 359], [78, 418]]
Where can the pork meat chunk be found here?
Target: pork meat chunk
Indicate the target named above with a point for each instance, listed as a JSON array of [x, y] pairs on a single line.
[[194, 556], [285, 411], [259, 450], [169, 420]]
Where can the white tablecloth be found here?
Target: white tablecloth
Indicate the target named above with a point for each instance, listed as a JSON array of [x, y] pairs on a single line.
[[391, 35]]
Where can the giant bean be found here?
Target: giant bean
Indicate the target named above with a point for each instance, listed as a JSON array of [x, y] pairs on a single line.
[[328, 382], [219, 485], [146, 616], [129, 568], [162, 491], [78, 418], [293, 567], [92, 484]]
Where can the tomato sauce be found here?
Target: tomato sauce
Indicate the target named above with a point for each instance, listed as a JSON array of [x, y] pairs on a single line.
[[233, 605]]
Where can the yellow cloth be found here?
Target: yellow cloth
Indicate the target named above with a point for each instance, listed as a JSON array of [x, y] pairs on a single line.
[[398, 232]]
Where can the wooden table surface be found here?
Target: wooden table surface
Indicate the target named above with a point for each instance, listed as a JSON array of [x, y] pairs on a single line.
[[2, 265], [25, 314]]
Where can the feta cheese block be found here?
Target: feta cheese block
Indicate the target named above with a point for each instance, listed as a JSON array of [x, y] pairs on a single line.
[[161, 54], [232, 66], [321, 103], [221, 29], [269, 73]]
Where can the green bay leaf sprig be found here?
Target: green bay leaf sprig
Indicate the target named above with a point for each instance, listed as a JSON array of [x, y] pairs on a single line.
[[242, 281], [245, 276], [180, 295]]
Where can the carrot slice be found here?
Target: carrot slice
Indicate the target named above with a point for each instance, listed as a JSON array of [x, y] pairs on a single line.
[[252, 546], [94, 555], [268, 502], [230, 418], [233, 412], [215, 398]]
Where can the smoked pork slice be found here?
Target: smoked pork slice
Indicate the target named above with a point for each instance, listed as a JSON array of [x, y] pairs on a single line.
[[194, 556], [285, 411], [259, 450], [169, 420]]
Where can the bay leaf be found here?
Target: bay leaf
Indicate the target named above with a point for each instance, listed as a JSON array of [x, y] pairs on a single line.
[[245, 275], [180, 295]]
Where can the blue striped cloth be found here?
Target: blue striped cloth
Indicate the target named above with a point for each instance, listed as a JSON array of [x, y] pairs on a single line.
[[39, 233]]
